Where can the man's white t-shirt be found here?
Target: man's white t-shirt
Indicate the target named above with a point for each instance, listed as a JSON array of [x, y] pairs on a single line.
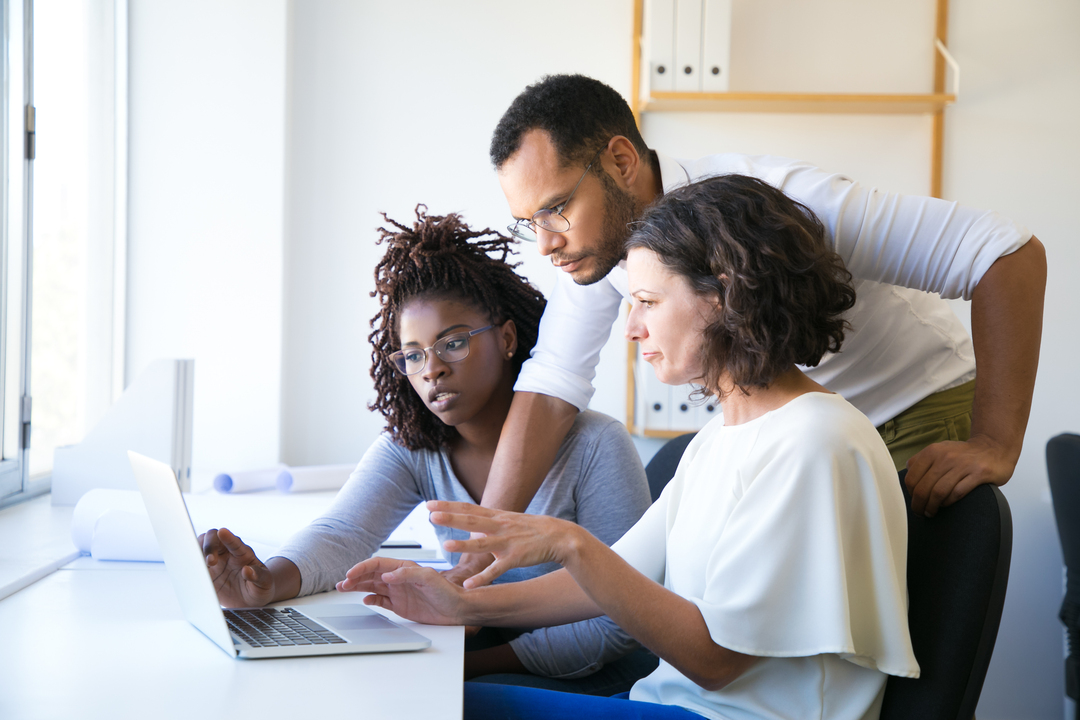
[[789, 532], [905, 253]]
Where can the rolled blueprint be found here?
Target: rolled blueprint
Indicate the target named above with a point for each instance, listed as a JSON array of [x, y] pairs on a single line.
[[314, 477], [247, 480]]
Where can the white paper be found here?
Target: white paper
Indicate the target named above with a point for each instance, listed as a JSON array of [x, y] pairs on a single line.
[[122, 535], [93, 505], [113, 524], [248, 480], [314, 477]]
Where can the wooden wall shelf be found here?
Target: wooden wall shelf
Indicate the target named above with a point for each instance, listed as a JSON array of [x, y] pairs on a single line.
[[761, 102], [932, 104]]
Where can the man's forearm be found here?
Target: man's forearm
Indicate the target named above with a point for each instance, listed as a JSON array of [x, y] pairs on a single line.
[[530, 440], [1006, 329]]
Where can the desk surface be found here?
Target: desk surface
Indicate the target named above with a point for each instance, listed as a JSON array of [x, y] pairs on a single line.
[[108, 640]]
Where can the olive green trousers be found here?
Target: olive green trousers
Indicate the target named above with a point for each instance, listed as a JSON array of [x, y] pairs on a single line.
[[945, 415]]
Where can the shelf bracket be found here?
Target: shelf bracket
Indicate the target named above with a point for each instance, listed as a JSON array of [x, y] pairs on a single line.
[[951, 61]]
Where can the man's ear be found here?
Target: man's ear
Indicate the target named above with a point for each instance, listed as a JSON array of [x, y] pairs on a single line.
[[625, 163]]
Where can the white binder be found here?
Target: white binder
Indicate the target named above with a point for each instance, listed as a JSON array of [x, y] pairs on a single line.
[[152, 417], [716, 45], [683, 409], [688, 45], [653, 397], [657, 403], [660, 44], [705, 411]]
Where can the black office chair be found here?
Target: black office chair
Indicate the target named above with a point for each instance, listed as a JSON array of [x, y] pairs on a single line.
[[664, 463], [958, 570], [1063, 467]]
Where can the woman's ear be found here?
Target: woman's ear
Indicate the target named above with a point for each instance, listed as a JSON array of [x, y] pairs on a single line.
[[714, 305], [508, 333], [718, 296]]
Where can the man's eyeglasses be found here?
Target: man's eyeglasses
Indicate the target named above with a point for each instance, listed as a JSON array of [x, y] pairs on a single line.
[[551, 219], [451, 349]]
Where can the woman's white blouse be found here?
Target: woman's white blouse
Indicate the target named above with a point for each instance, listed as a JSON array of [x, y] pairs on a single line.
[[789, 533]]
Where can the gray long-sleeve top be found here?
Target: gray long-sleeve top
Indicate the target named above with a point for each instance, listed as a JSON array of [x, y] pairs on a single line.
[[596, 481]]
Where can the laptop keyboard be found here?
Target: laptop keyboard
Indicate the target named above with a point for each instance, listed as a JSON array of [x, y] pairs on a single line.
[[277, 627]]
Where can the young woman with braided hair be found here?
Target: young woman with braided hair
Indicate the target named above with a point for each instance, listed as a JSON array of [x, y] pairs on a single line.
[[455, 324]]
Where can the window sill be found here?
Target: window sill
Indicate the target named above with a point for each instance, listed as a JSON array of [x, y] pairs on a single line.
[[35, 540]]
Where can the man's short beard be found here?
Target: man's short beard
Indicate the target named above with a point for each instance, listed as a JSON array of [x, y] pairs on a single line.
[[620, 209]]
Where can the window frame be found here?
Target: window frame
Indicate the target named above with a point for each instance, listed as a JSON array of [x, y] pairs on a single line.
[[17, 143]]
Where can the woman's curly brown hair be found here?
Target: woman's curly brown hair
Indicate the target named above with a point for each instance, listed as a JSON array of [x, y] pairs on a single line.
[[782, 291], [439, 257]]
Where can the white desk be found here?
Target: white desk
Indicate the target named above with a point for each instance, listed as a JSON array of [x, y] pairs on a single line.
[[77, 645]]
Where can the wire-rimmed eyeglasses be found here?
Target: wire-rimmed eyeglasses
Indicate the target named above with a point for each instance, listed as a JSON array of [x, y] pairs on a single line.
[[451, 349], [550, 219]]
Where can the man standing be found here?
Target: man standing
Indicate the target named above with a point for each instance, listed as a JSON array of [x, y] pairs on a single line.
[[575, 171]]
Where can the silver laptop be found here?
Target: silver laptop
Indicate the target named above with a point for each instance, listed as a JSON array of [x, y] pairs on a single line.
[[254, 632]]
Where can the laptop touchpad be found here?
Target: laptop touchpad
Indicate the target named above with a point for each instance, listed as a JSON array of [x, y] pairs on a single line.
[[358, 622]]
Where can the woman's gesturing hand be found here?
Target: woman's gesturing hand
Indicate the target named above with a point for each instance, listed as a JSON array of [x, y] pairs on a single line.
[[240, 578], [407, 589], [515, 539]]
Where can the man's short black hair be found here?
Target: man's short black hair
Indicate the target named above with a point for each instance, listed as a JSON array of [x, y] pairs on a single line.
[[579, 113]]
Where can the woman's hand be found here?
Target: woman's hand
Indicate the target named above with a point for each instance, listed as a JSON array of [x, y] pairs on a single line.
[[515, 539], [407, 589], [468, 565], [240, 578]]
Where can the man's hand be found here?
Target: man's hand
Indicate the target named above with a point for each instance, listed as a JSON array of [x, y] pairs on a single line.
[[407, 589], [240, 578], [944, 472]]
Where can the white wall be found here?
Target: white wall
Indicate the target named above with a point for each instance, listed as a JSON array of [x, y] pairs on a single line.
[[392, 104], [207, 138], [382, 105], [1012, 145]]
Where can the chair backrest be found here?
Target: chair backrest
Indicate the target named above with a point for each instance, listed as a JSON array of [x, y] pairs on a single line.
[[664, 463], [1063, 467], [958, 570]]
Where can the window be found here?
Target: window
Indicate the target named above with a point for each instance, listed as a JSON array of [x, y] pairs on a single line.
[[64, 192]]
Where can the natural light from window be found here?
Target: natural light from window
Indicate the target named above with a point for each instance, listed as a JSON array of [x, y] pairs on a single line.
[[60, 229]]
